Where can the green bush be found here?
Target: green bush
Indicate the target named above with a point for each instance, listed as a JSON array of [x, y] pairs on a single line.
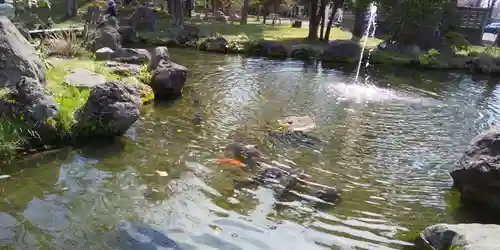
[[428, 58], [456, 42]]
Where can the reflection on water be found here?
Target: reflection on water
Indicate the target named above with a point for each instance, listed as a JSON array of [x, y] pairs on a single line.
[[389, 147]]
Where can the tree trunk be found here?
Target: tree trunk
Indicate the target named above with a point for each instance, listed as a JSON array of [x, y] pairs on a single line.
[[214, 6], [169, 6], [244, 12], [188, 8], [322, 17], [313, 20], [265, 13], [72, 8], [359, 21], [177, 12], [335, 8]]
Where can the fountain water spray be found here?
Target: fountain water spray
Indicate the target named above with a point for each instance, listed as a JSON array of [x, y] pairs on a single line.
[[371, 22]]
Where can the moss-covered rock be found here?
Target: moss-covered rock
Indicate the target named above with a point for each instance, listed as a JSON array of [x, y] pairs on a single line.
[[146, 92], [304, 52]]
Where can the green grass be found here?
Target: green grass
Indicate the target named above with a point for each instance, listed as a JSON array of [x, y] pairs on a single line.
[[70, 98], [14, 135]]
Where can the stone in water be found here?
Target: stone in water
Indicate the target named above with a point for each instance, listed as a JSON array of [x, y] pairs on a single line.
[[161, 173], [298, 123]]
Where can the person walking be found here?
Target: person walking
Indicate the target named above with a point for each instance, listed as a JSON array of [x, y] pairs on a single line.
[[111, 11]]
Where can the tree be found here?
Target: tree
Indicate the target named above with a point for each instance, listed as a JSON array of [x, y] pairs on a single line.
[[244, 12], [313, 20], [335, 7], [321, 17], [177, 7], [72, 8], [360, 8]]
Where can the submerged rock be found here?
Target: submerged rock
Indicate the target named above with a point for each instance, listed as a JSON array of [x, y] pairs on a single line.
[[298, 123], [341, 51], [168, 79], [135, 236], [83, 78], [110, 110], [462, 236], [19, 58], [478, 179]]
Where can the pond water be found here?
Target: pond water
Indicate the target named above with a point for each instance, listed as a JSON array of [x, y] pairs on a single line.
[[390, 146]]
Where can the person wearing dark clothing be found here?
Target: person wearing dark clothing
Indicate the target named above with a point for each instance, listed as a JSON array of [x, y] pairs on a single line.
[[111, 8]]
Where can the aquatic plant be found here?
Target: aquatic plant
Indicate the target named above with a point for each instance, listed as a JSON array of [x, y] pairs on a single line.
[[145, 75]]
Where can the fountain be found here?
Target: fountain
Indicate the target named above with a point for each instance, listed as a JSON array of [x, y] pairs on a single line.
[[371, 23]]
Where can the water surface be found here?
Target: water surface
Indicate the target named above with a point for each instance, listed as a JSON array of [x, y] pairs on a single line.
[[390, 146]]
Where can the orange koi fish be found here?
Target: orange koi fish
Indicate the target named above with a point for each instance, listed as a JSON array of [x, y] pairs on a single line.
[[232, 162]]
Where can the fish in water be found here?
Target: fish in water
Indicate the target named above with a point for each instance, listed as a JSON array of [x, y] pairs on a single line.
[[295, 137], [198, 118], [133, 236], [231, 162], [250, 158], [247, 154]]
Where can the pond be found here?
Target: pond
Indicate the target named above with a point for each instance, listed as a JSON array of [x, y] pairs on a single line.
[[391, 143]]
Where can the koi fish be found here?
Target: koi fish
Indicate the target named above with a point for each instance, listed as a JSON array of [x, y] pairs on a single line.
[[232, 162]]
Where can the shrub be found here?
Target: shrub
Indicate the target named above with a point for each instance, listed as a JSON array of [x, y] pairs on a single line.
[[66, 44], [456, 42], [428, 58]]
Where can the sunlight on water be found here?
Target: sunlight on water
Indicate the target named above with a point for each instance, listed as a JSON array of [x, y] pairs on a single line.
[[389, 156]]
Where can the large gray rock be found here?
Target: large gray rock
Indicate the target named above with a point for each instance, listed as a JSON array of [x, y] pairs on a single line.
[[341, 51], [168, 79], [161, 54], [29, 100], [123, 69], [304, 51], [107, 36], [110, 110], [478, 179], [132, 56], [103, 54], [462, 236], [128, 35], [18, 57], [83, 78], [143, 18], [271, 49]]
